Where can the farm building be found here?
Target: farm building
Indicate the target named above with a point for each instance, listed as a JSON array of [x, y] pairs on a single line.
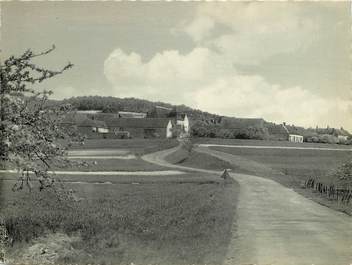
[[128, 114], [183, 124], [86, 126], [296, 138], [88, 111], [140, 128], [160, 112], [283, 132], [93, 128], [341, 134], [130, 124]]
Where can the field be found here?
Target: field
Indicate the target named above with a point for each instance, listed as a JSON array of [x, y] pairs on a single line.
[[157, 223], [120, 219], [135, 146], [266, 143], [293, 167], [114, 165], [300, 164]]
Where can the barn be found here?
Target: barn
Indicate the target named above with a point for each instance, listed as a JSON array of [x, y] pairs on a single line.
[[140, 128], [292, 136]]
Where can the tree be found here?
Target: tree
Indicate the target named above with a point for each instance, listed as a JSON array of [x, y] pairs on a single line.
[[31, 138]]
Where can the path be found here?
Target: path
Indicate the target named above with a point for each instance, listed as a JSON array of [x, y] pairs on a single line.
[[276, 225], [111, 173], [276, 147]]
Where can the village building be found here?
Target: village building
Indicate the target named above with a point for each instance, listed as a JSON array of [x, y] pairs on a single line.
[[341, 134], [295, 138], [283, 132], [140, 128], [183, 125], [164, 123], [160, 112], [88, 111], [92, 128], [128, 114]]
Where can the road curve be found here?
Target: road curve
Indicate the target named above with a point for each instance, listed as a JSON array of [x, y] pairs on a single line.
[[276, 225]]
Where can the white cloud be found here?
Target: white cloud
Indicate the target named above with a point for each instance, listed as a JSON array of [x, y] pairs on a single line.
[[200, 28], [255, 30], [205, 80]]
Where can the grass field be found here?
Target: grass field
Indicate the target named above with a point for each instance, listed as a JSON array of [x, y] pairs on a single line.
[[266, 143], [293, 167], [136, 146], [114, 165], [297, 163], [155, 223]]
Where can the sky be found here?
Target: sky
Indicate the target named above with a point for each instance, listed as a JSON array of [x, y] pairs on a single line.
[[281, 61]]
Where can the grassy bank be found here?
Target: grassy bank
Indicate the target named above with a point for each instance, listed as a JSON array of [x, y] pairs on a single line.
[[159, 223], [198, 160]]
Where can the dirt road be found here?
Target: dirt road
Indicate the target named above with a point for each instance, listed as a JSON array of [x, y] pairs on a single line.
[[276, 225], [109, 173]]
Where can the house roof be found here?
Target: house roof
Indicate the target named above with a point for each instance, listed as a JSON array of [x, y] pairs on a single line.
[[277, 129], [74, 118], [160, 112], [341, 132], [137, 123], [92, 123], [100, 124], [128, 114]]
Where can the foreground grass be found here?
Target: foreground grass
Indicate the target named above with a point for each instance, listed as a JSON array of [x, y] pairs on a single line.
[[160, 223]]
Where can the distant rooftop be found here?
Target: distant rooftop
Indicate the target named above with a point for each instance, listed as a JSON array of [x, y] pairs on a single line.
[[88, 111]]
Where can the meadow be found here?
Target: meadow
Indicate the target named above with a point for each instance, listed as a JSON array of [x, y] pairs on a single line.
[[150, 223], [134, 146], [294, 167], [300, 164], [134, 164], [266, 143], [120, 219]]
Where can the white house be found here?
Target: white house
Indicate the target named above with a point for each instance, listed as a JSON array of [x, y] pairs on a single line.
[[295, 138], [99, 127], [342, 137], [184, 124], [169, 129]]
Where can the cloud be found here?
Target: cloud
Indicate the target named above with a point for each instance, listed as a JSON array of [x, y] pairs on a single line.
[[255, 30], [226, 35], [200, 28], [206, 80]]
